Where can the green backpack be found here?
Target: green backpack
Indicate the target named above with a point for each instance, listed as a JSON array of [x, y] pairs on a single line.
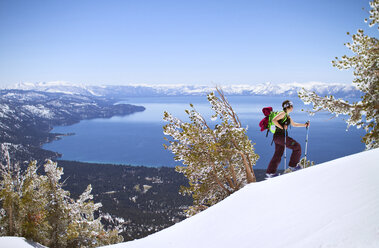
[[266, 123], [271, 125]]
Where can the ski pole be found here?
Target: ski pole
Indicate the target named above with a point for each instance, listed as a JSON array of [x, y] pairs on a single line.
[[285, 149], [306, 144]]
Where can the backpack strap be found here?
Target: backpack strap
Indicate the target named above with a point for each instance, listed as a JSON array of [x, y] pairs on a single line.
[[285, 117]]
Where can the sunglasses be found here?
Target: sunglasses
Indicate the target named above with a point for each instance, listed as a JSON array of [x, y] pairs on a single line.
[[288, 104]]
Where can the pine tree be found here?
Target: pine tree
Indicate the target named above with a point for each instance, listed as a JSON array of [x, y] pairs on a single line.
[[365, 63], [217, 162], [87, 230], [73, 222], [10, 195], [58, 205], [34, 225], [38, 208]]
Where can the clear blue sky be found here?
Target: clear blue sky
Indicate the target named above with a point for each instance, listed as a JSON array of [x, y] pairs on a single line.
[[153, 41]]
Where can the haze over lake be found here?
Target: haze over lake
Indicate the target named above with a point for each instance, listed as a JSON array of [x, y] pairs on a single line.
[[137, 139]]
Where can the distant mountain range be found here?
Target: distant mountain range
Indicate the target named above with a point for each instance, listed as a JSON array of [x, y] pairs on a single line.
[[147, 90]]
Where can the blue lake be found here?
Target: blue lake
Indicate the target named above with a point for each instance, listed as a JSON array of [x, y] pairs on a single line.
[[137, 139]]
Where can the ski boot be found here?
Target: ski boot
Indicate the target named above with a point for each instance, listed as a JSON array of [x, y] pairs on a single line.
[[296, 168], [271, 175]]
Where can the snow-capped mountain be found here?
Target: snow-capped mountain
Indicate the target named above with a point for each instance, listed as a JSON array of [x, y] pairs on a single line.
[[334, 204], [143, 90], [55, 87]]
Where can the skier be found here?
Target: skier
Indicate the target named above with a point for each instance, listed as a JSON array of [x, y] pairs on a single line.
[[281, 139]]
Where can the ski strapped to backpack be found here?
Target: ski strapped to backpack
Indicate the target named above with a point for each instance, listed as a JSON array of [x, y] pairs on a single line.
[[266, 122]]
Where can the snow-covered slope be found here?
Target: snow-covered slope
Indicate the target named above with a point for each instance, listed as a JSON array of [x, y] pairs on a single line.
[[137, 90], [335, 204], [17, 242]]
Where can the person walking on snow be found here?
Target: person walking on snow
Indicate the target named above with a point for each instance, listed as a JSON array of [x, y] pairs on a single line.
[[282, 121]]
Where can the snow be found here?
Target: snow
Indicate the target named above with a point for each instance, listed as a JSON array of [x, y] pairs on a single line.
[[17, 242], [5, 111], [334, 204], [187, 89], [39, 110]]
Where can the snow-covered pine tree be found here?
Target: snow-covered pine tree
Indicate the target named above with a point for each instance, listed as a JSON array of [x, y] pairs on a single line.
[[34, 225], [365, 65], [10, 195], [218, 161], [36, 207], [87, 230], [73, 222], [58, 205]]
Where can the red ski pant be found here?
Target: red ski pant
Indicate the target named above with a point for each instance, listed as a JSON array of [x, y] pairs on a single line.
[[279, 149]]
